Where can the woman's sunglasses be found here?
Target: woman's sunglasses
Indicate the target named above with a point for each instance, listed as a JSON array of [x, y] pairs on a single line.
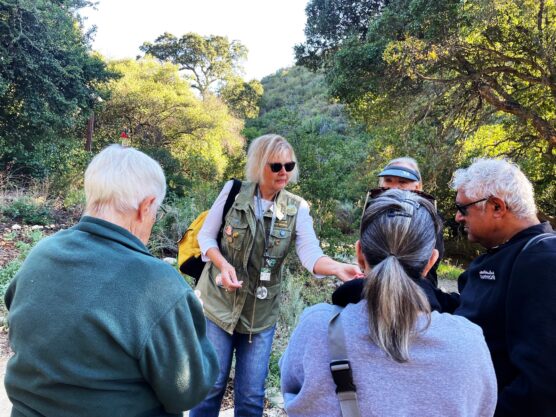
[[277, 166]]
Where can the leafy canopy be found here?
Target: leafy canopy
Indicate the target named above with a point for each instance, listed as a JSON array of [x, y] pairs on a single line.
[[206, 59], [49, 80], [436, 74], [192, 138]]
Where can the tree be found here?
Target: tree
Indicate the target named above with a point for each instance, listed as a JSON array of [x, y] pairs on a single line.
[[206, 59], [329, 23], [49, 80], [472, 58], [452, 68], [242, 97], [193, 139]]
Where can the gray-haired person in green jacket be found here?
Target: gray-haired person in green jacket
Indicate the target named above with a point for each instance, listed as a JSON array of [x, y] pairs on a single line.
[[99, 326]]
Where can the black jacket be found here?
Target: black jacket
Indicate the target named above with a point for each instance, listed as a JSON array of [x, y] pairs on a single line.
[[511, 294], [351, 292]]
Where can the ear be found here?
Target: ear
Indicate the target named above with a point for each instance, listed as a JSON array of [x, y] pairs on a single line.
[[499, 207], [145, 208], [431, 262], [360, 257]]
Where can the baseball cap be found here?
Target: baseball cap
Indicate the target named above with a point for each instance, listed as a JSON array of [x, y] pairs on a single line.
[[399, 171]]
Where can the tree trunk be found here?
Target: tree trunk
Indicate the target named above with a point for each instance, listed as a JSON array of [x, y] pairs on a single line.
[[90, 129]]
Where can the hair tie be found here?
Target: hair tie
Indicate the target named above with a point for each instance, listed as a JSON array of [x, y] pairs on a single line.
[[397, 212]]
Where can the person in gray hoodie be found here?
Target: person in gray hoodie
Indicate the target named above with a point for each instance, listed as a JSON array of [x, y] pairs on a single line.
[[395, 345]]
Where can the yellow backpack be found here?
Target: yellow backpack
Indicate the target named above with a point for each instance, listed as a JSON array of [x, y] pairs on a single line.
[[189, 253]]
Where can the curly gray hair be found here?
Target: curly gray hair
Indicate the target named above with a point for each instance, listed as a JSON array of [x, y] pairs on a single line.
[[497, 178]]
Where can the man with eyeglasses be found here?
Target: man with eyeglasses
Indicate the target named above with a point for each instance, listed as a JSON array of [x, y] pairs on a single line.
[[510, 291]]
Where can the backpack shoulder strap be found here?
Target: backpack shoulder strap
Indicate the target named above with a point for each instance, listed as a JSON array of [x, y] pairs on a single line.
[[537, 239], [340, 367], [236, 186]]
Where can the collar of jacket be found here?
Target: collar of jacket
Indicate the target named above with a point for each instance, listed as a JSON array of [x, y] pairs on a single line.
[[543, 227], [245, 201], [111, 231]]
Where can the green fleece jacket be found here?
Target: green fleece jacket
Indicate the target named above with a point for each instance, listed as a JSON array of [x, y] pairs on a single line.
[[101, 328]]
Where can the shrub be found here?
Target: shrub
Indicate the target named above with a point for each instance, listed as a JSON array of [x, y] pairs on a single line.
[[28, 240], [28, 210], [179, 212], [449, 271]]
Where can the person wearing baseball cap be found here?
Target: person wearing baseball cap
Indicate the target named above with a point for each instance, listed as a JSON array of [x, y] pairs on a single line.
[[401, 173]]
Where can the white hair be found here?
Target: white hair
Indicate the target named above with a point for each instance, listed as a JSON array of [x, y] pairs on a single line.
[[119, 178], [261, 150], [497, 178]]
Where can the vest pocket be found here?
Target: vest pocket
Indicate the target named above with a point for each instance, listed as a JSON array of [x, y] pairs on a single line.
[[234, 236], [279, 242]]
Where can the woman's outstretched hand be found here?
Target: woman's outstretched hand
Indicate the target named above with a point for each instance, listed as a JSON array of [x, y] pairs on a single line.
[[345, 272]]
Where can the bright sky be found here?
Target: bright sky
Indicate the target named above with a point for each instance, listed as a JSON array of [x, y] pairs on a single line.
[[268, 28]]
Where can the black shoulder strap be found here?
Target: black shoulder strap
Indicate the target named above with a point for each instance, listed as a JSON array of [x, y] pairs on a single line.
[[236, 186], [537, 239], [340, 368]]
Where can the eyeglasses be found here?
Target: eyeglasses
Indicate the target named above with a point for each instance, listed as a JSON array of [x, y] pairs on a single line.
[[160, 213], [462, 208], [277, 166]]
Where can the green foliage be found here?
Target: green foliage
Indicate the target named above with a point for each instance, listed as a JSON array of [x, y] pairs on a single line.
[[48, 78], [206, 59], [28, 240], [242, 97], [273, 379], [192, 139], [433, 80], [74, 199], [329, 23], [449, 271], [28, 210], [331, 151], [179, 212]]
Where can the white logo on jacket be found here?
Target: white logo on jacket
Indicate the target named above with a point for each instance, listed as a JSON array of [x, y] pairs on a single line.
[[487, 275]]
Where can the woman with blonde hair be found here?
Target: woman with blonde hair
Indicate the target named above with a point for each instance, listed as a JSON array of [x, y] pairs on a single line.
[[394, 345], [241, 284]]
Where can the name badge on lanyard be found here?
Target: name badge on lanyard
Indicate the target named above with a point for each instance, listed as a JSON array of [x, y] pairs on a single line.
[[265, 274], [266, 270]]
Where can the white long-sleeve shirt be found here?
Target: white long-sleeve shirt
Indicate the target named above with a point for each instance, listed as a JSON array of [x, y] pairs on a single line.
[[307, 245]]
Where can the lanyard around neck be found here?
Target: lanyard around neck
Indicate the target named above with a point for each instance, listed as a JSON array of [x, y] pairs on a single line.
[[261, 216]]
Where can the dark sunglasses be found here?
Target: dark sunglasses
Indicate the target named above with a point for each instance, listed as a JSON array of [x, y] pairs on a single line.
[[277, 166], [376, 192], [462, 208]]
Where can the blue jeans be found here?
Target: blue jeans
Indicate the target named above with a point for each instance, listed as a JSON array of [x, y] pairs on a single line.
[[251, 371]]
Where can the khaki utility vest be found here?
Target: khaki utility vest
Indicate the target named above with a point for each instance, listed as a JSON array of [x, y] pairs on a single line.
[[243, 245]]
